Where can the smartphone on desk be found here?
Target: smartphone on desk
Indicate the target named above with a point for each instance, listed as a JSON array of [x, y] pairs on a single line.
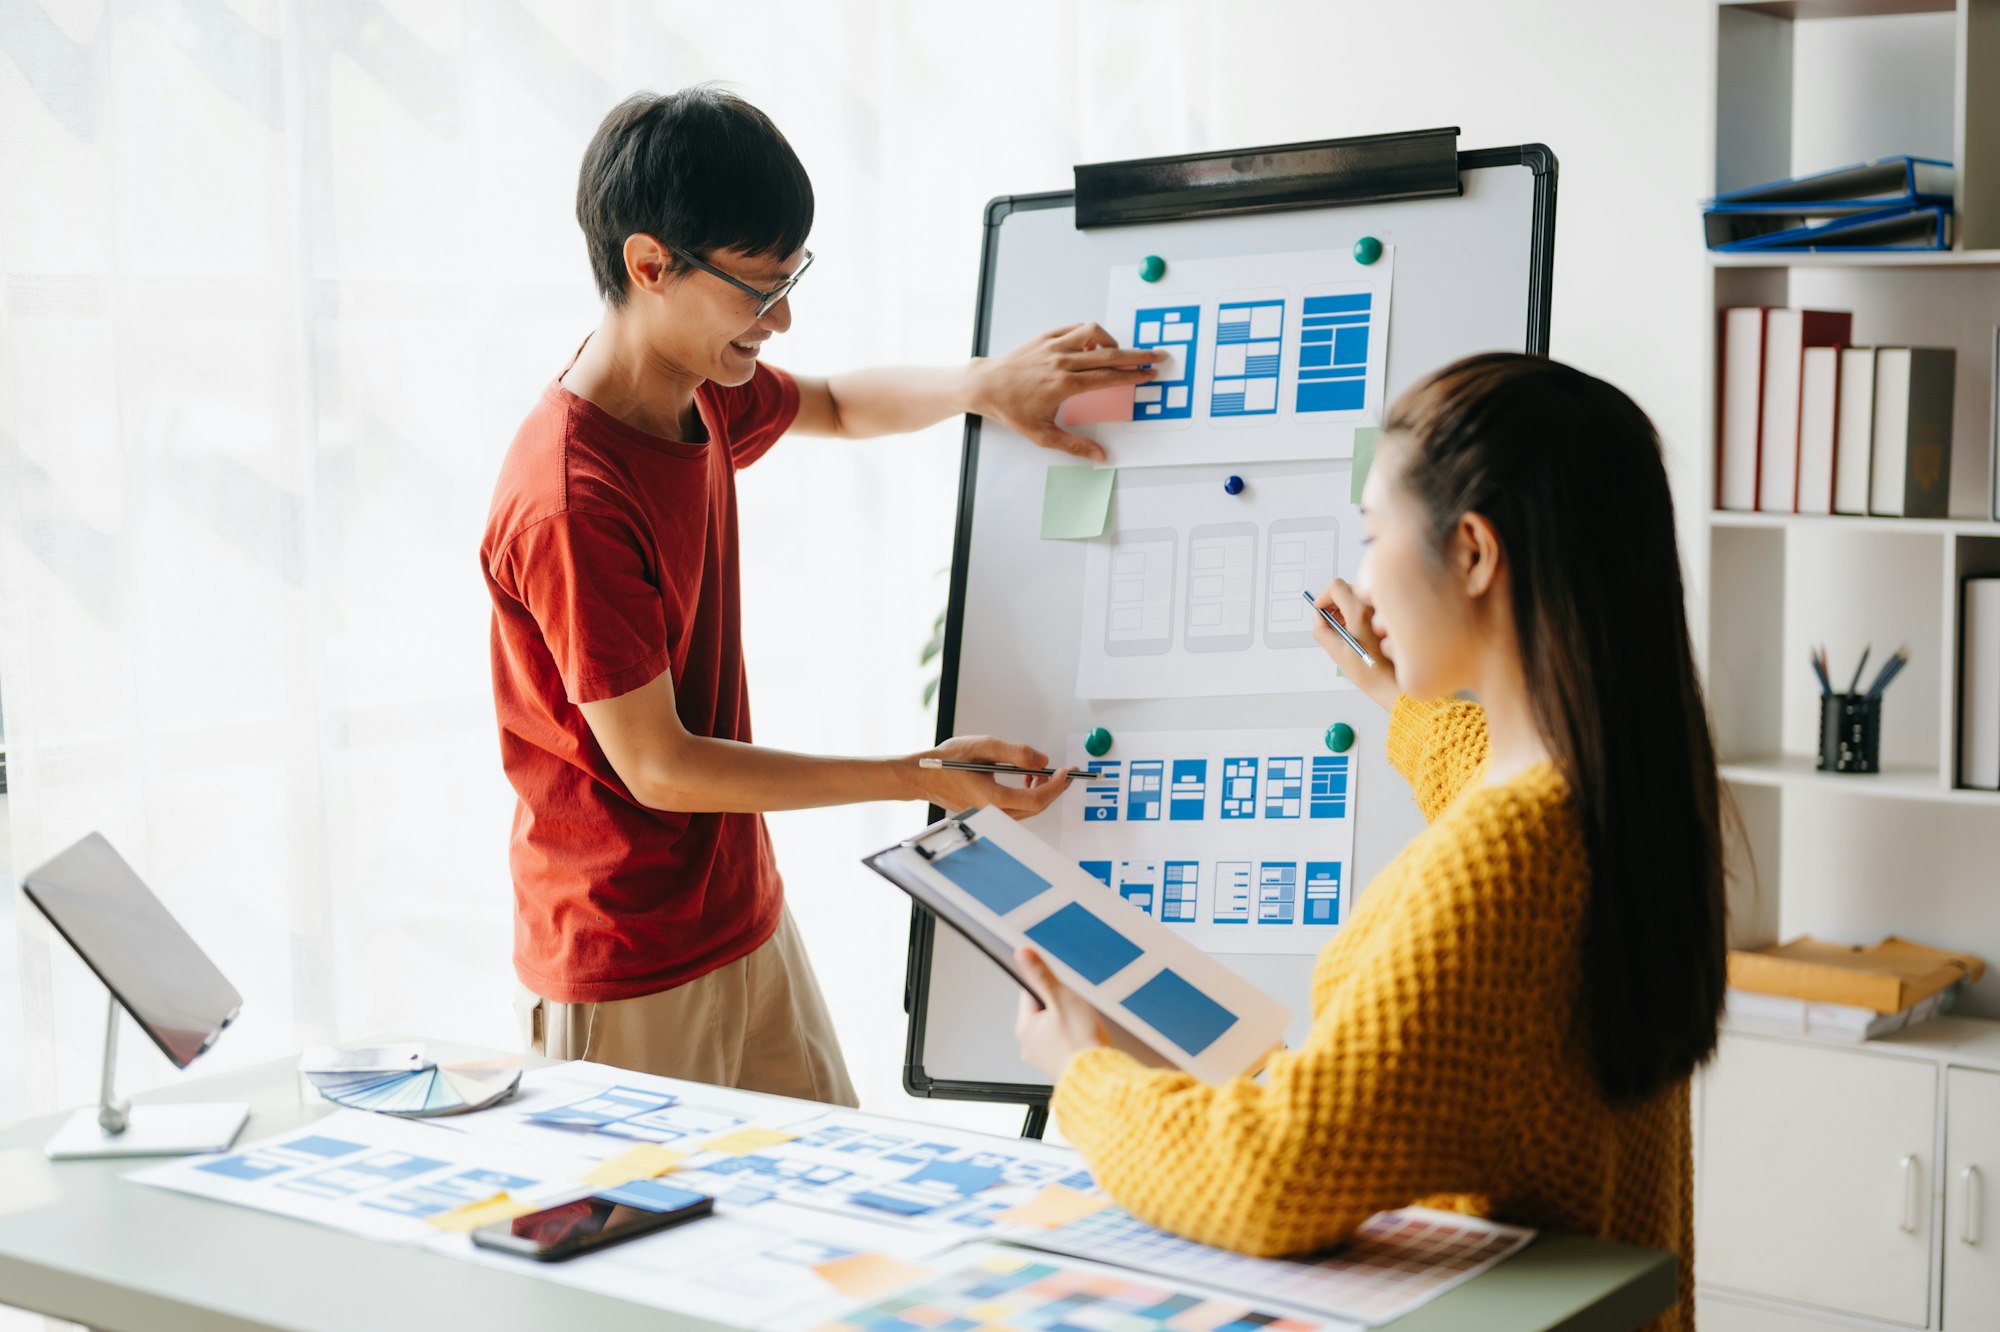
[[596, 1222]]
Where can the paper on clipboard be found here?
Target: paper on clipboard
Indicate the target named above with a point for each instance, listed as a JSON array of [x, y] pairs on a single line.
[[1003, 888]]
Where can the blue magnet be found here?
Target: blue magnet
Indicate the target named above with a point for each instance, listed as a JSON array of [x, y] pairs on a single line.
[[1152, 268], [1367, 250], [1234, 485], [1340, 737], [1098, 743]]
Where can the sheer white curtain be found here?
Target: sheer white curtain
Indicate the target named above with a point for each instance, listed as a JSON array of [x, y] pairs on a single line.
[[280, 280]]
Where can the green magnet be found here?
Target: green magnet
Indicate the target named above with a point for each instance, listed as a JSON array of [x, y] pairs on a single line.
[[1152, 268], [1367, 250], [1098, 743], [1340, 737]]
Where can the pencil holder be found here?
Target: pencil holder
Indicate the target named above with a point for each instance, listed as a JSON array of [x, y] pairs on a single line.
[[1850, 733]]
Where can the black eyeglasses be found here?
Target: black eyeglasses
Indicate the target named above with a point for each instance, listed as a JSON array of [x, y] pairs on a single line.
[[765, 299]]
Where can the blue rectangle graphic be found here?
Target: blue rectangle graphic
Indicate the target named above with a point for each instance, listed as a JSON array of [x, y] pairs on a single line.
[[1177, 328], [1344, 395], [1144, 793], [1350, 345], [1180, 1012], [995, 879], [1076, 936], [1348, 304], [1189, 798], [1239, 788], [1322, 892], [1329, 787], [1101, 793], [1316, 335], [1179, 891]]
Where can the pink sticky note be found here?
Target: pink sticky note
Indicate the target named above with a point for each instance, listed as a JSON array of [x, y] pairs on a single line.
[[1105, 404]]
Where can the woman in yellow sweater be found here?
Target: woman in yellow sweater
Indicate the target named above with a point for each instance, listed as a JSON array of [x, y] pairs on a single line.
[[1508, 1022]]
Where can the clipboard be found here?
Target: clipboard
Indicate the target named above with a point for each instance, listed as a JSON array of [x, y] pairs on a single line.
[[1160, 998]]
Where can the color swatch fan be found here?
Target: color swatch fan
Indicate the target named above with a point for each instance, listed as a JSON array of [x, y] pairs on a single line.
[[398, 1080]]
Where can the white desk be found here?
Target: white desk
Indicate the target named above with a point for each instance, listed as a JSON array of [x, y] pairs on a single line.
[[116, 1255]]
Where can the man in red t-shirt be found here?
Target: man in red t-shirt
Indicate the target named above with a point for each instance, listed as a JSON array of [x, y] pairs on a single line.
[[650, 928]]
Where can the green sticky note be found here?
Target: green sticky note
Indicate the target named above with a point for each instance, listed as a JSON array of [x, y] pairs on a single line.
[[1076, 501], [1365, 439]]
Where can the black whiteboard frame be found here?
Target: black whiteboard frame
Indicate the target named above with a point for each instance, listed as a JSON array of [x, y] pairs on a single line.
[[917, 974]]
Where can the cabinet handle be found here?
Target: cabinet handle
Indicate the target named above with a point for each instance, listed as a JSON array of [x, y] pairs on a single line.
[[1968, 1226], [1908, 1222]]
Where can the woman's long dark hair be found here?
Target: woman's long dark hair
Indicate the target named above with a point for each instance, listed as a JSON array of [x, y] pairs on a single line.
[[1568, 471]]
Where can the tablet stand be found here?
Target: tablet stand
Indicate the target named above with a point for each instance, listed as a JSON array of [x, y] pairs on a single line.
[[118, 1128]]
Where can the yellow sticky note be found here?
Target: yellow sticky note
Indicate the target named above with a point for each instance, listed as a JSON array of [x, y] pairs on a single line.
[[646, 1161], [1056, 1205], [486, 1212], [746, 1140], [864, 1274]]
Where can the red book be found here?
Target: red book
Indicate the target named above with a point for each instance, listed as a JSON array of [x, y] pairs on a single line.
[[1787, 334]]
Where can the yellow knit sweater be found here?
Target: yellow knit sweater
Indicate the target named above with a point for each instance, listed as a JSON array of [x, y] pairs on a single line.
[[1446, 1063]]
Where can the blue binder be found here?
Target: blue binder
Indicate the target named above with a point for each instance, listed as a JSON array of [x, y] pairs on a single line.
[[1927, 227], [1888, 182]]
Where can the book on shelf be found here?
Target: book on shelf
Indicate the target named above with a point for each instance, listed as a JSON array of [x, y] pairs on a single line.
[[1760, 364], [1854, 430], [1910, 466], [1819, 408], [1979, 685], [1993, 426], [1787, 335]]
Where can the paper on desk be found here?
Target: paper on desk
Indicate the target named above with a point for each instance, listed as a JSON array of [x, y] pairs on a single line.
[[865, 1275], [486, 1212], [646, 1161], [370, 1175], [743, 1141], [745, 1268], [1056, 1205]]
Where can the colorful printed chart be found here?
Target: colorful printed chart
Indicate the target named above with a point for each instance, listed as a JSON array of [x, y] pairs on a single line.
[[998, 1290], [1395, 1263]]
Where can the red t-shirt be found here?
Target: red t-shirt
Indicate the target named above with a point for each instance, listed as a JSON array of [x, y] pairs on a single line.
[[610, 555]]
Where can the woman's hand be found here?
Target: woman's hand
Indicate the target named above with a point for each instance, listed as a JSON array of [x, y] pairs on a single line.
[[1061, 1029], [1348, 606]]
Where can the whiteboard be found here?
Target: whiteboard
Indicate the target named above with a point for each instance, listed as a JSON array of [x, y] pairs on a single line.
[[1471, 275]]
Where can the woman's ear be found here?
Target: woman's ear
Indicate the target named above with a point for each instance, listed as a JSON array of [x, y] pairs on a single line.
[[1477, 548]]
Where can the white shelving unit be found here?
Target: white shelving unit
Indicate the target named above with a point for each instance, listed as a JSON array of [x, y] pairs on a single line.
[[1801, 86]]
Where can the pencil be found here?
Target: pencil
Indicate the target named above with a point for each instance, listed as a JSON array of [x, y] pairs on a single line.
[[1001, 769], [1825, 685], [1859, 666], [1339, 628]]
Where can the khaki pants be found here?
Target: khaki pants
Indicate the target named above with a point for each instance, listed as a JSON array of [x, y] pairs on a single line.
[[758, 1023]]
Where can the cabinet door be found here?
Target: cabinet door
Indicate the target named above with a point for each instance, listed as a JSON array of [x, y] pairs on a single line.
[[1971, 1216], [1817, 1166]]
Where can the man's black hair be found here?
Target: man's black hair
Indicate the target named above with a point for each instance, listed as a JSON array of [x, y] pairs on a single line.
[[700, 168]]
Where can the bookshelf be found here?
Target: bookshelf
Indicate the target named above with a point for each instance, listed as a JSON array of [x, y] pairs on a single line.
[[1799, 86]]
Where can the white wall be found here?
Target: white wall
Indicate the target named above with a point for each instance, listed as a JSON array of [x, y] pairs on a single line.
[[910, 115]]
